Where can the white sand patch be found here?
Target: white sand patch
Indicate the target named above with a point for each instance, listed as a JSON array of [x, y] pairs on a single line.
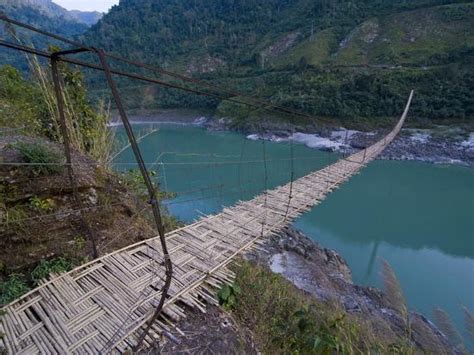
[[468, 143], [341, 135], [277, 263], [420, 137], [316, 142], [253, 137], [200, 121]]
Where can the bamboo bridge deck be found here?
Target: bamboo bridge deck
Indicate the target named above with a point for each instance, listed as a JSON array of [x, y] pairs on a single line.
[[102, 306]]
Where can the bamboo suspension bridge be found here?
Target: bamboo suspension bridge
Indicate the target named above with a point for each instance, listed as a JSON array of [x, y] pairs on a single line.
[[126, 299], [105, 305]]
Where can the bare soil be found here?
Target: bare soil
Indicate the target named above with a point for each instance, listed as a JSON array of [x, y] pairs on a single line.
[[29, 235]]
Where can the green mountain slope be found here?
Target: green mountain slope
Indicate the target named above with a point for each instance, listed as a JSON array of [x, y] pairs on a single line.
[[44, 14], [88, 18], [339, 58]]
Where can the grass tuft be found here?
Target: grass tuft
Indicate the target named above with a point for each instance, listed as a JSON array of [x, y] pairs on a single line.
[[446, 325], [14, 287], [45, 268], [394, 293], [44, 161], [285, 320]]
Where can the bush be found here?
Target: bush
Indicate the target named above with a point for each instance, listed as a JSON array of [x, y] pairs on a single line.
[[13, 288], [42, 205], [45, 268], [227, 296], [135, 182], [44, 160]]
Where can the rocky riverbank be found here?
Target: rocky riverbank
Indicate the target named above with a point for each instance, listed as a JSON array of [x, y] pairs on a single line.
[[438, 145], [324, 274], [320, 273]]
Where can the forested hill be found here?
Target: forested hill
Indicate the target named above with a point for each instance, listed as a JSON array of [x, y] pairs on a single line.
[[46, 15], [336, 58]]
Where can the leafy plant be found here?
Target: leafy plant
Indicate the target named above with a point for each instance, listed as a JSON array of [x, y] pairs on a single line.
[[44, 160], [45, 268], [13, 288], [33, 104], [42, 205], [136, 182], [227, 296], [79, 243], [327, 338]]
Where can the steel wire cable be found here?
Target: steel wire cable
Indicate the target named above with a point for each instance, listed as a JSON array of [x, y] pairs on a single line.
[[204, 164]]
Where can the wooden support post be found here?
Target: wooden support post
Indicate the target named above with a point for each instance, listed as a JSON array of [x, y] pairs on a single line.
[[58, 88]]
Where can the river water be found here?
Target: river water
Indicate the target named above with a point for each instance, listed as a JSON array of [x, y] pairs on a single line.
[[417, 216]]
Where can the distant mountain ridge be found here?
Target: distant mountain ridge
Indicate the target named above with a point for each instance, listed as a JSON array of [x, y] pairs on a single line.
[[51, 9], [44, 14], [88, 17]]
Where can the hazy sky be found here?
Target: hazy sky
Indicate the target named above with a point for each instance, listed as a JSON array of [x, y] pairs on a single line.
[[87, 5]]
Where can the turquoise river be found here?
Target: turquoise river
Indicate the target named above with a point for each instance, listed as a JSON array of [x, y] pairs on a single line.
[[417, 216]]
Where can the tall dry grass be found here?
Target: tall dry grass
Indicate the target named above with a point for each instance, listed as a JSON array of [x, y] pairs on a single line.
[[93, 138], [395, 295]]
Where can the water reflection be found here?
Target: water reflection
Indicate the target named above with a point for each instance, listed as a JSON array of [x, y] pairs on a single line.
[[405, 204]]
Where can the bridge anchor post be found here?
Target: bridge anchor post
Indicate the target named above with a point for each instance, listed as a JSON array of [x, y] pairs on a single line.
[[58, 89]]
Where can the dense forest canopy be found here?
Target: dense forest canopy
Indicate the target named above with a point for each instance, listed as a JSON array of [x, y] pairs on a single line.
[[344, 59], [338, 58]]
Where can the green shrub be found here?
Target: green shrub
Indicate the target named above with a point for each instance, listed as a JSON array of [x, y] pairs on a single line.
[[44, 161], [13, 288], [45, 268], [227, 296], [42, 205], [79, 243], [135, 182]]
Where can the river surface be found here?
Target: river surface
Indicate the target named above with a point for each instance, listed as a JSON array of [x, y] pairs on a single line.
[[417, 216]]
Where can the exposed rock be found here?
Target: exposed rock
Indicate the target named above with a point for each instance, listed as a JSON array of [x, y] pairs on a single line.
[[204, 65], [280, 46], [435, 147], [324, 274]]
